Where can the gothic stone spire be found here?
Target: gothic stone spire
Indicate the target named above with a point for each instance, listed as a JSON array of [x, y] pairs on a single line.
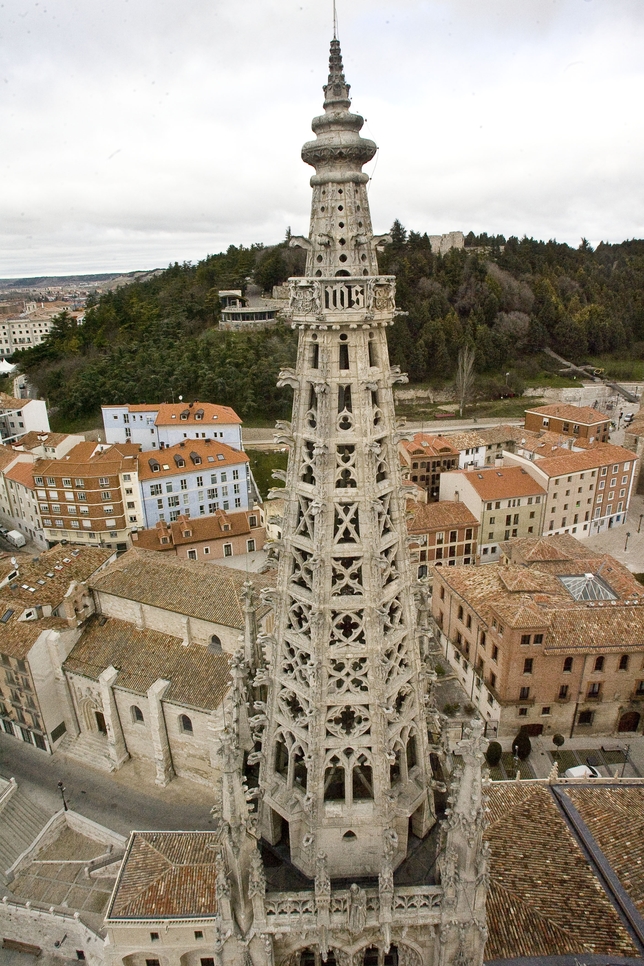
[[345, 754]]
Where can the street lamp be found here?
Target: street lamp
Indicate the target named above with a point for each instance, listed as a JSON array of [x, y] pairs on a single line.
[[626, 543], [507, 376], [61, 789], [639, 525]]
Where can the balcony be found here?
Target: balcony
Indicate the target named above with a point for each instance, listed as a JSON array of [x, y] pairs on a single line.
[[343, 299]]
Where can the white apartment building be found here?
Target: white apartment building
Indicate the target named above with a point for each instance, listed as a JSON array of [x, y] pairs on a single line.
[[22, 333], [21, 416], [168, 424]]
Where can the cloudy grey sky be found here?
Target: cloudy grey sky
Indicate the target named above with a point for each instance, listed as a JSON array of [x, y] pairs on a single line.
[[138, 132]]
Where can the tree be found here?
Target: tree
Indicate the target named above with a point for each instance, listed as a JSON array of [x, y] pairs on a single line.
[[464, 377], [493, 753], [522, 746]]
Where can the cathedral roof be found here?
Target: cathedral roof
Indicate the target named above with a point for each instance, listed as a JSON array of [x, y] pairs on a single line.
[[545, 898], [166, 875]]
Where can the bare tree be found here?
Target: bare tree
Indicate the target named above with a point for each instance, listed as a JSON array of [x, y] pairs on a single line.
[[464, 377]]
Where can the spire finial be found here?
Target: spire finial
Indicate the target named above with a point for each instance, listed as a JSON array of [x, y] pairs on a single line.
[[335, 22]]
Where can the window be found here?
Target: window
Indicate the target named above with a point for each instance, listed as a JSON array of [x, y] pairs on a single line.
[[495, 653], [537, 639], [250, 546], [103, 481], [492, 521], [567, 665], [594, 689], [228, 550], [525, 639], [523, 712], [137, 718], [599, 663], [198, 934], [192, 555], [524, 694], [185, 724], [585, 717], [155, 489], [623, 662], [546, 710], [563, 692], [527, 665]]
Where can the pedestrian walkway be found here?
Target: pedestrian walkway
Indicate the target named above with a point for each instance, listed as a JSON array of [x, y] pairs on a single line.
[[625, 543], [608, 752]]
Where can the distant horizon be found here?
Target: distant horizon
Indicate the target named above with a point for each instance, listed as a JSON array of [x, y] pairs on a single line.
[[129, 271]]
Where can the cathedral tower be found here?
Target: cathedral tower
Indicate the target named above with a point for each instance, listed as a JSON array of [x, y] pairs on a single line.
[[345, 758]]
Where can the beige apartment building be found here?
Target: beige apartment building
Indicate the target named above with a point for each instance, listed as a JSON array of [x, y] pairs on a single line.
[[587, 492], [506, 500], [441, 534]]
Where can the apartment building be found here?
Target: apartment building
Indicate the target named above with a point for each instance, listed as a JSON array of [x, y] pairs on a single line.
[[424, 458], [578, 421], [168, 424], [42, 602], [24, 331], [587, 491], [551, 640], [21, 416], [218, 537], [505, 500], [90, 497], [441, 534], [193, 478]]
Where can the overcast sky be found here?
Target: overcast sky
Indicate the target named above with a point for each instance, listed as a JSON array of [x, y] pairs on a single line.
[[134, 133]]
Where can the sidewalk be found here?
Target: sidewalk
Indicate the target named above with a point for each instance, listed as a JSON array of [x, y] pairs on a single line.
[[614, 541], [542, 749]]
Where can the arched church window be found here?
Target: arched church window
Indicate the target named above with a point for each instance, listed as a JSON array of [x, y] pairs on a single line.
[[412, 754], [185, 724], [362, 780], [281, 758], [334, 781], [137, 714], [215, 645]]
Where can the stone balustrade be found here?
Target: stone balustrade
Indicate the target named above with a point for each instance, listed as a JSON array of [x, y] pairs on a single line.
[[417, 904]]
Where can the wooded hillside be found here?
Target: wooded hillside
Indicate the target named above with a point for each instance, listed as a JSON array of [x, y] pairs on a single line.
[[152, 341]]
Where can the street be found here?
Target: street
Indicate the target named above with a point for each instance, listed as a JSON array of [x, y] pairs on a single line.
[[123, 801]]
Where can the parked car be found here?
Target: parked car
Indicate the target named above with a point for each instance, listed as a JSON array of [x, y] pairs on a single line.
[[582, 771]]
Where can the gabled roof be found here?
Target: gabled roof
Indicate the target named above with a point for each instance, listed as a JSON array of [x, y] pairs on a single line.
[[198, 678], [45, 580], [166, 874], [603, 454], [169, 414], [425, 444], [439, 516], [213, 455], [582, 415], [499, 483], [199, 529], [204, 591]]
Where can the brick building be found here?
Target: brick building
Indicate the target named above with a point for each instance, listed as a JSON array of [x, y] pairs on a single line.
[[505, 500], [424, 458], [441, 534], [578, 421], [552, 639], [214, 537]]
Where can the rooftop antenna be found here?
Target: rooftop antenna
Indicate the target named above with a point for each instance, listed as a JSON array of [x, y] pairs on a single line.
[[335, 22]]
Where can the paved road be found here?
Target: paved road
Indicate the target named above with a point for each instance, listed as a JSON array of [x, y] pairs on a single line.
[[121, 802], [256, 438]]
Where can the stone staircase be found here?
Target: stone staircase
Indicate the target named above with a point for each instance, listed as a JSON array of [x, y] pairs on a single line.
[[90, 749], [20, 822]]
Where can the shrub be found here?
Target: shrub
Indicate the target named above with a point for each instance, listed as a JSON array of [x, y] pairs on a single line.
[[522, 746], [558, 740], [440, 670], [451, 709], [493, 753]]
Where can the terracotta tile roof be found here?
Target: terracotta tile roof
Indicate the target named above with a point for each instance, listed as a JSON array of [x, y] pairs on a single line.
[[560, 546], [204, 591], [583, 415], [21, 472], [544, 444], [500, 483], [200, 529], [33, 440], [615, 816], [603, 454], [213, 453], [607, 626], [500, 434], [84, 460], [166, 874], [198, 678], [46, 579], [7, 456], [424, 444], [439, 516], [211, 414], [18, 637], [544, 899], [465, 440], [10, 402]]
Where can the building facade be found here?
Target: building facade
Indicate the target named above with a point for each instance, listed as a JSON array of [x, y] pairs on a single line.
[[218, 537], [506, 501], [168, 424], [549, 641], [194, 478], [579, 421], [425, 458], [441, 534], [21, 416]]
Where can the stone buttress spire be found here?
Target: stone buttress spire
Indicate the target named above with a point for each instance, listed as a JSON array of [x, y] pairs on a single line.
[[345, 760]]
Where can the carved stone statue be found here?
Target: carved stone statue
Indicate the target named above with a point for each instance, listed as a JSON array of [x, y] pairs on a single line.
[[357, 909]]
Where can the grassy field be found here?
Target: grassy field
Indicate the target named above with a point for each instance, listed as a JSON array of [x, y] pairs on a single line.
[[262, 464]]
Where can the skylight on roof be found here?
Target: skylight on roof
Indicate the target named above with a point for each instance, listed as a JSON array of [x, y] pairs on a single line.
[[588, 587]]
